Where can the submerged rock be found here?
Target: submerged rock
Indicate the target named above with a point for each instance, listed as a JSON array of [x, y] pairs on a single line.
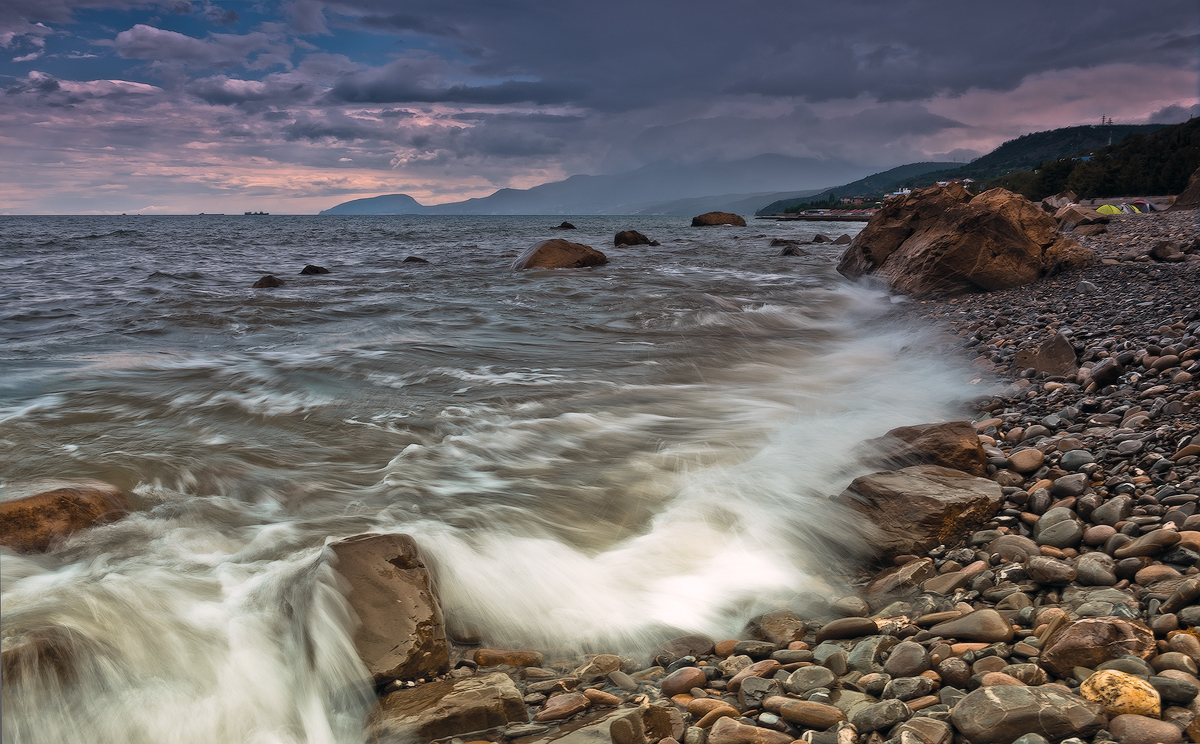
[[632, 237], [717, 218], [952, 445], [312, 269], [559, 254], [400, 634], [268, 282], [33, 524]]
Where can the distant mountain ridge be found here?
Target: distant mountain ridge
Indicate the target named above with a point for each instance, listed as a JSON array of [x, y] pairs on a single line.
[[877, 183], [658, 188]]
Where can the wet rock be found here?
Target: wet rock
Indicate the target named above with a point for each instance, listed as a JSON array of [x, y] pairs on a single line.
[[1118, 693], [267, 282], [1116, 509], [312, 269], [448, 708], [867, 655], [901, 579], [682, 680], [729, 731], [764, 668], [940, 240], [34, 524], [401, 634], [1091, 641], [780, 627], [632, 237], [563, 706], [851, 607], [805, 679], [487, 657], [1054, 356], [882, 715], [1050, 571], [1095, 569], [847, 627], [952, 445], [920, 507], [1134, 729], [986, 626], [998, 715], [565, 226], [924, 730], [907, 659], [709, 219], [677, 648], [1150, 544], [414, 259], [811, 715], [1058, 528], [559, 254]]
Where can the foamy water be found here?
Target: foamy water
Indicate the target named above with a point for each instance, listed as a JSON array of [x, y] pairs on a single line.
[[591, 460]]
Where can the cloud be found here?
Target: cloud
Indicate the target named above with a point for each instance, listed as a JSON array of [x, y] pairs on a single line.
[[416, 80], [1173, 114], [218, 50], [226, 91]]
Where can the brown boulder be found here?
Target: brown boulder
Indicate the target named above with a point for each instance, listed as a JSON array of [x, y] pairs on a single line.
[[559, 254], [1062, 199], [400, 633], [1054, 356], [448, 708], [33, 524], [1190, 198], [267, 282], [940, 241], [920, 507], [1073, 215], [717, 218], [954, 444], [632, 237], [1094, 640]]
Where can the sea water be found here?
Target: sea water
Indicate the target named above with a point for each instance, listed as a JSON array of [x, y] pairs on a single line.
[[591, 460]]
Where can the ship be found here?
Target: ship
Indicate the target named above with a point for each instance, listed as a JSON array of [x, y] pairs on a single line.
[[255, 214]]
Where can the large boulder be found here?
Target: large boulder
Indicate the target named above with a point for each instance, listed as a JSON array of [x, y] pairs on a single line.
[[920, 507], [1072, 215], [1190, 198], [998, 715], [33, 524], [941, 241], [632, 237], [1091, 641], [717, 218], [559, 254], [400, 634], [448, 708], [954, 444]]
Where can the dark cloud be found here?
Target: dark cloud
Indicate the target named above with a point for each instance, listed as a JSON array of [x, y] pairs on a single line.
[[407, 81], [222, 90], [1173, 114], [217, 50]]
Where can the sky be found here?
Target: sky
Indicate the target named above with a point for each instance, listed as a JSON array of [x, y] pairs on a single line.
[[111, 106]]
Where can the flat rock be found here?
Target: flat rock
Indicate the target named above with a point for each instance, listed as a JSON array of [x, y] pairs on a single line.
[[709, 219], [847, 627], [811, 715], [563, 706], [401, 634], [998, 715], [510, 657], [918, 508], [449, 708], [985, 626]]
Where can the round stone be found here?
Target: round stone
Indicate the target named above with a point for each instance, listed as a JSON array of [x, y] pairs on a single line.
[[1075, 459], [1135, 729], [1120, 693], [847, 627], [683, 680], [1097, 535], [907, 659], [1026, 460]]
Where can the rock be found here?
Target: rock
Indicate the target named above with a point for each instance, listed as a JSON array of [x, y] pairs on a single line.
[[487, 657], [1051, 571], [940, 240], [630, 237], [1095, 569], [907, 659], [868, 654], [1187, 593], [448, 708], [780, 627], [793, 250], [1107, 371], [311, 269], [847, 627], [952, 445], [985, 626], [1070, 216], [400, 634], [1151, 543], [880, 715], [1190, 197], [1118, 693], [565, 226], [851, 607], [1091, 641], [35, 524], [598, 666], [563, 706], [925, 730], [729, 731], [809, 678], [1026, 460], [811, 715], [414, 259], [843, 239], [1069, 486], [267, 282], [559, 254], [1062, 199], [998, 715], [677, 648], [717, 218], [1134, 729], [647, 723], [1116, 509], [1054, 356], [682, 680], [1058, 528], [901, 579], [763, 668], [920, 507]]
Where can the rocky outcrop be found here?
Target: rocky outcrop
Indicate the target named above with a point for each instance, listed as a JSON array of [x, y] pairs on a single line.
[[954, 444], [34, 524], [559, 254], [920, 507], [448, 708], [400, 633], [1190, 198], [313, 269], [632, 237], [717, 218], [941, 241]]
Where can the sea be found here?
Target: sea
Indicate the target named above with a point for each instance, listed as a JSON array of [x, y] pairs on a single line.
[[591, 460]]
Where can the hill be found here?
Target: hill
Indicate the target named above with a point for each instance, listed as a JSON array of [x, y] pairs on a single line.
[[878, 183], [644, 190], [1143, 163]]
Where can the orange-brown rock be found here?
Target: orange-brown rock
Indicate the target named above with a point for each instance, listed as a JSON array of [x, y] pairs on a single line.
[[941, 241], [563, 706], [917, 508], [729, 731], [764, 668], [1190, 198], [954, 444], [448, 708], [682, 680], [559, 254], [400, 633], [811, 715], [33, 524], [499, 656], [718, 218], [1091, 641]]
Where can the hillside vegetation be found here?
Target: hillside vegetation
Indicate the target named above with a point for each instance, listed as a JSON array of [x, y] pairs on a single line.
[[1143, 164]]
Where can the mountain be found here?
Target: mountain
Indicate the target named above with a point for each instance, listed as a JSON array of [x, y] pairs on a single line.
[[1141, 164], [878, 183], [641, 191], [736, 203]]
